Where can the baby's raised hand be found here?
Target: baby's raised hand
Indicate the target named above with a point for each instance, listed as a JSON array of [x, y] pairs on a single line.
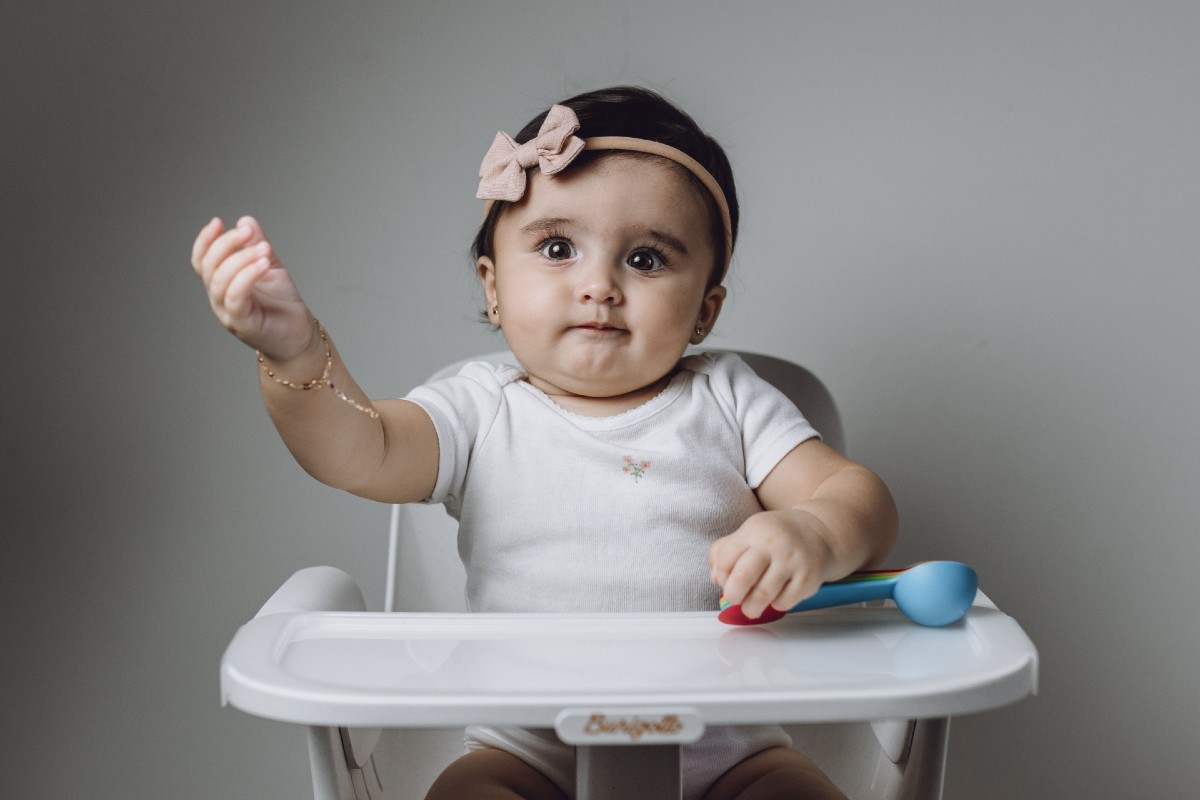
[[776, 558], [250, 292]]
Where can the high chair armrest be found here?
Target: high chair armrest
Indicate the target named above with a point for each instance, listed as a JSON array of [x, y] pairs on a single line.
[[315, 589]]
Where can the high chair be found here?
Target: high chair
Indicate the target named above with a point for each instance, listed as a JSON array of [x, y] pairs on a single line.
[[386, 695]]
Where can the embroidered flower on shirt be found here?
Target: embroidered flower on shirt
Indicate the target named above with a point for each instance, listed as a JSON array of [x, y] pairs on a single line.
[[635, 468]]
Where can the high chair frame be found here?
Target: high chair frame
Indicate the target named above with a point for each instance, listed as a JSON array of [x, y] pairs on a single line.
[[385, 695]]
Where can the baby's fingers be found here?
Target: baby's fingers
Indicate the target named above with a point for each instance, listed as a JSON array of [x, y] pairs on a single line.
[[767, 590], [229, 270], [744, 575], [256, 233], [239, 296], [722, 555], [204, 241], [220, 249], [793, 591]]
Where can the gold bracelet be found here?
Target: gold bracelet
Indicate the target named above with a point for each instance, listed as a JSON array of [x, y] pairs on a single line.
[[313, 384], [340, 395], [317, 382]]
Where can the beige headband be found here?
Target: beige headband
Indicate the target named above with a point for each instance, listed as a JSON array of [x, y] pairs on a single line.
[[502, 174]]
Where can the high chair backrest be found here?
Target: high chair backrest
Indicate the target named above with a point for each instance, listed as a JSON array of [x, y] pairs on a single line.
[[424, 571]]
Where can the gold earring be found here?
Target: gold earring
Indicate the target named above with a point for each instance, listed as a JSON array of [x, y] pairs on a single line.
[[495, 310], [699, 331]]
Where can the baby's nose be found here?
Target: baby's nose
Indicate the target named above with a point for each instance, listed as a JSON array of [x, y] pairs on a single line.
[[599, 284]]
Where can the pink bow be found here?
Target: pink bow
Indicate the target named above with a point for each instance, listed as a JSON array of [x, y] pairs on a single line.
[[503, 170]]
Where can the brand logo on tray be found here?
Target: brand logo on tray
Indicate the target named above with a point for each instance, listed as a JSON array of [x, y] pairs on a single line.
[[633, 727], [629, 726]]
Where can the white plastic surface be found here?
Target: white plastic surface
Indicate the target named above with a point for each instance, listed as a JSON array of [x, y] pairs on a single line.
[[315, 589], [450, 670]]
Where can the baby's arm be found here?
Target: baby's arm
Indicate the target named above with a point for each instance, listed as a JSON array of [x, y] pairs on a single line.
[[825, 516], [384, 450]]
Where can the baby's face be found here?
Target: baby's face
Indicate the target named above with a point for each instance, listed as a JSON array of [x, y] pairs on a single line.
[[600, 274]]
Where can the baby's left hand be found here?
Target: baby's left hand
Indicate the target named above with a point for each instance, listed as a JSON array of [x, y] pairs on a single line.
[[776, 558]]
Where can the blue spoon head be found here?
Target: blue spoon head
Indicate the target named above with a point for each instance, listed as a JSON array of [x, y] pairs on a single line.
[[936, 593]]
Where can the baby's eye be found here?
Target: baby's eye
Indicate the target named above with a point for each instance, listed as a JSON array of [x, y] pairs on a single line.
[[647, 260], [557, 249]]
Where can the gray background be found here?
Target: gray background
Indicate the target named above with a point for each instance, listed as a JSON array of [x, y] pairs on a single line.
[[977, 221]]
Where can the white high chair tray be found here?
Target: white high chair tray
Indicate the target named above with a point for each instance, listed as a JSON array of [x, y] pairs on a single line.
[[451, 670]]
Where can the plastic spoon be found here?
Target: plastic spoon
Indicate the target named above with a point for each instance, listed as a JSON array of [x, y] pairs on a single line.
[[933, 593]]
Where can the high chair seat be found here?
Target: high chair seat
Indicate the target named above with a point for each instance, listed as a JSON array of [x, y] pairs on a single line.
[[387, 695]]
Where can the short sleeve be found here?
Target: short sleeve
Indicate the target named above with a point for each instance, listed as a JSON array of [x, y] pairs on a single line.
[[770, 423], [462, 408]]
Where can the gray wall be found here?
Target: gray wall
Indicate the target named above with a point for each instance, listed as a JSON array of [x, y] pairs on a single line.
[[977, 221]]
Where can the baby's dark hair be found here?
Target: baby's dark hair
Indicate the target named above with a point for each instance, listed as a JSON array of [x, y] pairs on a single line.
[[641, 114]]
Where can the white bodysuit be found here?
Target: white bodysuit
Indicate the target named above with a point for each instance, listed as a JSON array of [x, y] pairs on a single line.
[[562, 512]]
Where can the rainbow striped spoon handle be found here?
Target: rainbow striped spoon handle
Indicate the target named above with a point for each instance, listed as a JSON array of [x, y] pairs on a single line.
[[932, 593]]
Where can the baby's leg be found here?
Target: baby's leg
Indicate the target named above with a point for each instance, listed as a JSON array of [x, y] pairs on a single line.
[[491, 774], [774, 774]]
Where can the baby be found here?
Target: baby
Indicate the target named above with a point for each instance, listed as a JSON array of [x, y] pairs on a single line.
[[609, 472]]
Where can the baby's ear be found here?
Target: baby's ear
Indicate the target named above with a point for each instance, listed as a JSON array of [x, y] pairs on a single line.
[[710, 307], [486, 270]]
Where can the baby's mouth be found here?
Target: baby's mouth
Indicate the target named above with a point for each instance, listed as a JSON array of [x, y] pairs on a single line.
[[601, 327]]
